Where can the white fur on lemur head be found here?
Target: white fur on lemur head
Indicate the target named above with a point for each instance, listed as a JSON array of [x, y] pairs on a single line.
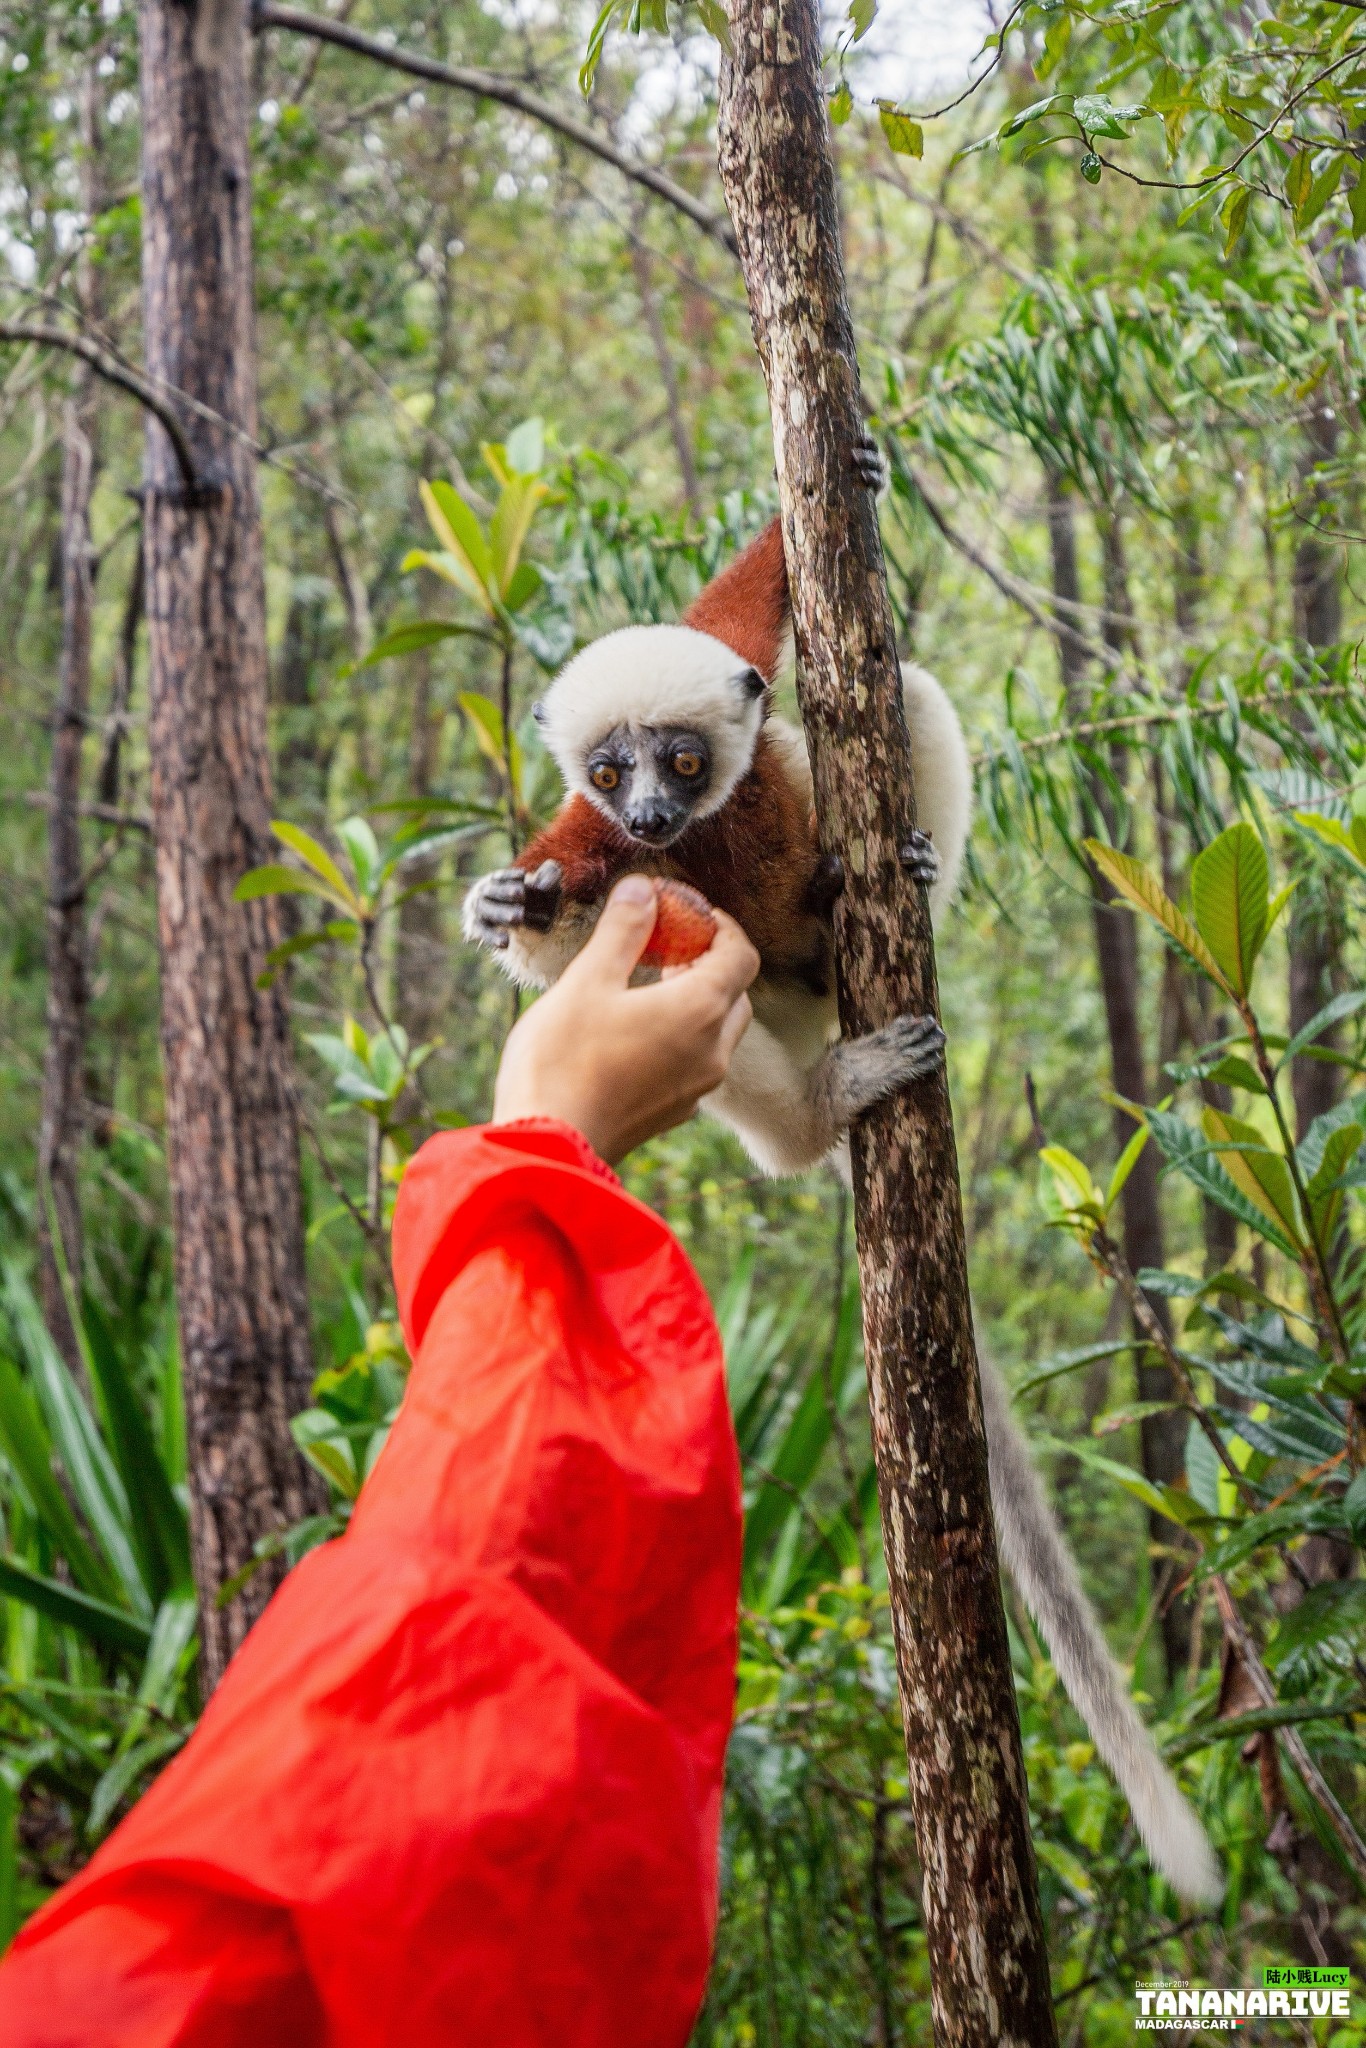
[[641, 676]]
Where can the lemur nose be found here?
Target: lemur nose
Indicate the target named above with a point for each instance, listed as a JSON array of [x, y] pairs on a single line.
[[652, 815]]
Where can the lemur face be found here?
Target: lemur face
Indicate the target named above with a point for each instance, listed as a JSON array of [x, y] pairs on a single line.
[[650, 779]]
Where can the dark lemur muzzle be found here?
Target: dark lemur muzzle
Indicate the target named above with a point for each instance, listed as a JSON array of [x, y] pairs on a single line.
[[654, 819]]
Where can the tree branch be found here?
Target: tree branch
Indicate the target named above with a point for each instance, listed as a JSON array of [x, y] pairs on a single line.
[[114, 372], [507, 92]]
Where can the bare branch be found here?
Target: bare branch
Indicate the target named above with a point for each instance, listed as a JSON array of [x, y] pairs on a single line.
[[506, 92], [114, 372]]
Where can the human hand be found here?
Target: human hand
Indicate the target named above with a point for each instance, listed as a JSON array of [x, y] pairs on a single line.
[[619, 1063]]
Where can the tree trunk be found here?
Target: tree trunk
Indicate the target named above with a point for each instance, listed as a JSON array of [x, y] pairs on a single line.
[[668, 373], [62, 1120], [422, 953], [230, 1109], [988, 1962], [1315, 933], [1116, 939]]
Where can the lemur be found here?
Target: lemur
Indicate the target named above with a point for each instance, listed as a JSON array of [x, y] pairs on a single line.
[[675, 766]]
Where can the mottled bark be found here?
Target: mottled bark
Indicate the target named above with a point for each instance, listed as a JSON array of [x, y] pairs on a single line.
[[1117, 962], [988, 1962], [231, 1124]]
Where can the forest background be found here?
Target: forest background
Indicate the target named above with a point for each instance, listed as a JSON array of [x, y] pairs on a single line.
[[1121, 410]]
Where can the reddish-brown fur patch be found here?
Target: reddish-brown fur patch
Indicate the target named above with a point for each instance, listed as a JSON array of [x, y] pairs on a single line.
[[747, 605]]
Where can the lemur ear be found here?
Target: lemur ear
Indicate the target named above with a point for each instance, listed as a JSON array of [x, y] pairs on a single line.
[[538, 712], [747, 605]]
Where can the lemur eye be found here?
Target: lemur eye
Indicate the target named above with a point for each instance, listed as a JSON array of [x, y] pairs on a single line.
[[685, 762], [605, 776]]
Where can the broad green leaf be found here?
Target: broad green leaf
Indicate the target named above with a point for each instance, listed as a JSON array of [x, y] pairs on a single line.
[[905, 136], [1320, 192], [317, 1435], [487, 721], [1125, 1164], [862, 13], [457, 529], [1334, 835], [714, 21], [311, 853], [523, 585], [1332, 1612], [1356, 200], [359, 841], [1234, 216], [1140, 887], [108, 1627], [1229, 896], [524, 448], [1203, 1470], [408, 639], [283, 881], [1262, 1174], [1325, 1195], [1298, 180], [841, 104], [511, 521], [1026, 115], [1195, 1157], [1099, 116]]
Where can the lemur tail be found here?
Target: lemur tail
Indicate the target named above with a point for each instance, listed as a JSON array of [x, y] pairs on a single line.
[[1036, 1555]]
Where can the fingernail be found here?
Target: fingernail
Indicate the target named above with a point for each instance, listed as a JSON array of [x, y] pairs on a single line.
[[634, 889]]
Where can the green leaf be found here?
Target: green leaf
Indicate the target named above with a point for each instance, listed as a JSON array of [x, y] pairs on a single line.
[[1345, 1005], [108, 1627], [862, 13], [1091, 167], [1203, 1469], [1234, 216], [324, 1445], [597, 36], [283, 881], [1099, 116], [1229, 884], [487, 721], [511, 521], [1140, 887], [124, 1772], [905, 136], [1026, 115], [714, 21], [27, 1445], [359, 841], [93, 1476], [312, 855], [408, 639], [1325, 1195], [1262, 1174], [841, 104], [1332, 1612], [457, 529], [525, 582], [1298, 180], [1320, 192], [1188, 1151], [525, 448], [1356, 200], [1124, 1165], [157, 1524]]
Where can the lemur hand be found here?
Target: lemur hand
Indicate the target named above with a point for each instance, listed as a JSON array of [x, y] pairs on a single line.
[[870, 464], [620, 1063], [510, 897]]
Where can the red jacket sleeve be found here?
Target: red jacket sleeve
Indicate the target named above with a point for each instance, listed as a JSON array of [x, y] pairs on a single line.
[[462, 1783]]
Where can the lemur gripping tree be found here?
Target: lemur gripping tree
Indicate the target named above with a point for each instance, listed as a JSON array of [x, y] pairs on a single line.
[[675, 767]]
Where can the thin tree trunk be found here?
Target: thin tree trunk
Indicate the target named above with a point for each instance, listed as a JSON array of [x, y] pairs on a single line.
[[988, 1962], [422, 953], [668, 371], [230, 1106], [62, 1119], [1315, 933], [121, 693], [1116, 940]]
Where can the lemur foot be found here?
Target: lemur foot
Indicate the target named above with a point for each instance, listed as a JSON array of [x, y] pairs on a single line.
[[826, 885], [869, 1069], [919, 859], [510, 899], [870, 465]]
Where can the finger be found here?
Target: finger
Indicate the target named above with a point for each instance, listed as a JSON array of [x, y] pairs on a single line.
[[736, 1025], [730, 963], [620, 937]]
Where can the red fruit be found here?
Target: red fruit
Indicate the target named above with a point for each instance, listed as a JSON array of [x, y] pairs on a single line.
[[685, 925]]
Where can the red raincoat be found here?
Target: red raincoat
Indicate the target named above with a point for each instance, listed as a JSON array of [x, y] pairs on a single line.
[[462, 1783]]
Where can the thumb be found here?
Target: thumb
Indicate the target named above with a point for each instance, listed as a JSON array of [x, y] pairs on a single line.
[[622, 931]]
